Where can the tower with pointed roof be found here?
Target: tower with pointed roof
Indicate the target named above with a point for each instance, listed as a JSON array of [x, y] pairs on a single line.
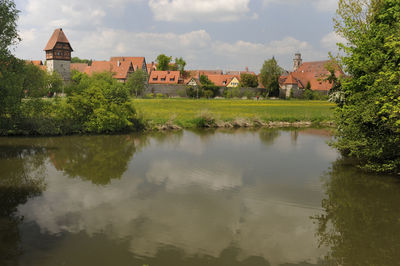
[[297, 61], [58, 54]]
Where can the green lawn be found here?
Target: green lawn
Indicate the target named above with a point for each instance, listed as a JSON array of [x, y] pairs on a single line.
[[183, 112]]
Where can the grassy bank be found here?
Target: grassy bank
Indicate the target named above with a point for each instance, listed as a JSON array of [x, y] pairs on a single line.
[[189, 113]]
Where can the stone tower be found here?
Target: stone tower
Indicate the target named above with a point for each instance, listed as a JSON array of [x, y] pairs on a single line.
[[58, 54], [297, 61]]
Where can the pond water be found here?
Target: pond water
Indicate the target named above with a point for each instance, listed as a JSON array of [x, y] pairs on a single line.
[[226, 197]]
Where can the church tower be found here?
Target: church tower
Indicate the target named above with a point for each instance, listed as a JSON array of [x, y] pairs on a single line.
[[58, 54], [297, 61]]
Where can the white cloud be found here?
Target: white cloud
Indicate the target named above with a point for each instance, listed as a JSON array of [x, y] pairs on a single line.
[[199, 10], [320, 5], [330, 40]]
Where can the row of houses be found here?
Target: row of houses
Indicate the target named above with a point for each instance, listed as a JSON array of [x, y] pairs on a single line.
[[58, 58]]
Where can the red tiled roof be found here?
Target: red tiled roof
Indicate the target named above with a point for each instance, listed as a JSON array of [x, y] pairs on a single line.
[[151, 67], [222, 80], [164, 77], [210, 72], [120, 71], [37, 63], [137, 62], [58, 36], [290, 80], [313, 73], [81, 67]]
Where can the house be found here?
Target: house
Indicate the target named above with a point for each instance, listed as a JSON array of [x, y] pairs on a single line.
[[58, 54], [238, 73], [151, 67], [164, 77], [37, 63], [120, 69], [229, 81], [137, 62], [308, 74], [81, 67]]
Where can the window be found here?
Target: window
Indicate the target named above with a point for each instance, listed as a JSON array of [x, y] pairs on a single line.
[[162, 79], [155, 79], [58, 53], [171, 79]]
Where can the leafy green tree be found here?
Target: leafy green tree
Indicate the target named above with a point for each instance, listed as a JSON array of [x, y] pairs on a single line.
[[79, 60], [368, 118], [11, 69], [270, 73], [8, 27], [180, 64], [163, 62], [205, 81], [248, 80], [137, 82]]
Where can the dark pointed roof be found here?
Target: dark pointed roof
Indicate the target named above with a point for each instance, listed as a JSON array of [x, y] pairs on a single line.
[[58, 36]]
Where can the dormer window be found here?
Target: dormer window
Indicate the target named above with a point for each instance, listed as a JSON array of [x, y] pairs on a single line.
[[172, 79], [155, 79], [162, 79]]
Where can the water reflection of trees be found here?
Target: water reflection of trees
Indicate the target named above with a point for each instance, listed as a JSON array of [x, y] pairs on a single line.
[[21, 177], [96, 158], [268, 136], [361, 220]]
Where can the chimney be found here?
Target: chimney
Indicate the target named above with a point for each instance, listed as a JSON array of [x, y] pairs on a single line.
[[247, 69]]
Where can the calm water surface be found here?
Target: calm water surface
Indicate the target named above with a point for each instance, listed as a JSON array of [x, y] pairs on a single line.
[[265, 197]]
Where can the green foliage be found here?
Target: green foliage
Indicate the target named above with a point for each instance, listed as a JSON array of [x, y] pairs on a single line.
[[270, 73], [149, 96], [78, 60], [368, 118], [11, 84], [137, 82], [208, 94], [40, 83], [249, 94], [205, 81], [248, 80], [8, 28], [163, 62], [194, 92], [180, 65], [232, 92]]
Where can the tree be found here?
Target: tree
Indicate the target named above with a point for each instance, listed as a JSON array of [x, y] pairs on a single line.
[[163, 62], [205, 81], [248, 80], [368, 118], [8, 27], [137, 82], [180, 64], [270, 73], [11, 69], [78, 60]]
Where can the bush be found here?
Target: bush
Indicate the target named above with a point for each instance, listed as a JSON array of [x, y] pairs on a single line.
[[232, 93]]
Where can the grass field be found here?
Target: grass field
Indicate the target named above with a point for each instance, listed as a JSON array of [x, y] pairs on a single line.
[[184, 112]]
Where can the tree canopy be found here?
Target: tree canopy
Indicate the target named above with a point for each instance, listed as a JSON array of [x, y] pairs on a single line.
[[248, 80], [163, 62], [137, 82], [270, 73], [368, 117]]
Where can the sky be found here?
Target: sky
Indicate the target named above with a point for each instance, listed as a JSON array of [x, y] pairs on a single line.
[[208, 34]]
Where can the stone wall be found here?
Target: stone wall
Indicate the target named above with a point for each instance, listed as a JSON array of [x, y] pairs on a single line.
[[62, 67], [180, 89], [167, 90]]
